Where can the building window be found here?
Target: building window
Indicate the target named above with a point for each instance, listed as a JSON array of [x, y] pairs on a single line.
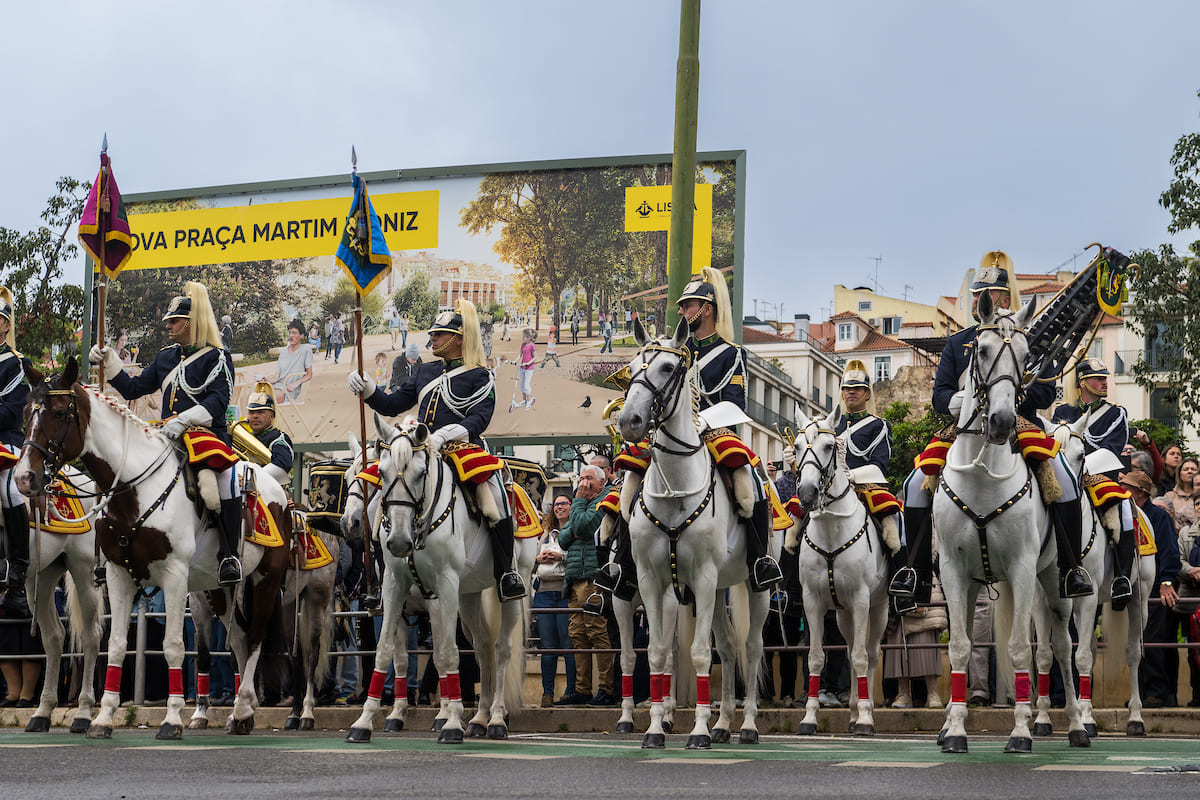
[[891, 325], [845, 332], [864, 305], [1162, 409], [883, 368], [1096, 350]]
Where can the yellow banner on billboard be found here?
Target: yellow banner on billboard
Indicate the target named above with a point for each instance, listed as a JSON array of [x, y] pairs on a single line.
[[648, 208], [274, 230]]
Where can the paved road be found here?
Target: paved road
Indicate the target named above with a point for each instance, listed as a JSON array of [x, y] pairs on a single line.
[[273, 765]]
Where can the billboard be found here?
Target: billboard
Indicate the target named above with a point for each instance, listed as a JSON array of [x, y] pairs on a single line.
[[571, 246]]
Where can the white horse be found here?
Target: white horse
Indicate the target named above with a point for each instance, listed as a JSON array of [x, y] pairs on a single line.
[[842, 566], [987, 519], [72, 555], [426, 515], [151, 533], [686, 536], [1100, 562]]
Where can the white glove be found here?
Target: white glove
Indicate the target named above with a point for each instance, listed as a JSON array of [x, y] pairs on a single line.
[[789, 457], [360, 384], [956, 403], [452, 432], [194, 416], [107, 358], [173, 428]]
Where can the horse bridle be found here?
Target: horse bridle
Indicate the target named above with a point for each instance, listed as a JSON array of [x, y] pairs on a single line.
[[52, 454], [985, 383], [826, 479], [659, 395], [424, 523]]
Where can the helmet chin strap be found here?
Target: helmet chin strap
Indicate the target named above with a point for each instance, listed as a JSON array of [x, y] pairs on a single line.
[[693, 322], [440, 351]]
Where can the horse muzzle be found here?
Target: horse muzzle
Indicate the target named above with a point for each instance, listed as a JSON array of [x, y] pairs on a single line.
[[1001, 425], [30, 484]]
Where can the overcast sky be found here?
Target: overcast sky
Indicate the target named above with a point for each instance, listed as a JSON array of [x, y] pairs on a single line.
[[923, 133]]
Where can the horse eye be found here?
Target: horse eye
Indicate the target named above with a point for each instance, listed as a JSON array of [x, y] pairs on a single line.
[[60, 413]]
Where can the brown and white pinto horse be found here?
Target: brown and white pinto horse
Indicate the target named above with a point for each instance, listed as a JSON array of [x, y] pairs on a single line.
[[151, 533]]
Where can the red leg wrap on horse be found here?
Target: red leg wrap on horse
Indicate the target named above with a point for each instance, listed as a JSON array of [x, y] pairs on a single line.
[[656, 692], [112, 679], [958, 687], [175, 681], [237, 682], [444, 687], [453, 686], [376, 690], [1043, 684], [1021, 685], [201, 684], [814, 685], [626, 686], [1085, 687], [702, 691], [401, 688], [864, 691], [666, 686]]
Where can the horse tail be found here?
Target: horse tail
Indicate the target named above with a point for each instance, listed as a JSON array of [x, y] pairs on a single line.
[[314, 618], [1115, 626], [514, 675], [1001, 631], [75, 620], [685, 672], [738, 618]]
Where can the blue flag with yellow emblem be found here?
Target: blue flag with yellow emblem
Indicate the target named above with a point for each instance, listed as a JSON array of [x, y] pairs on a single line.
[[363, 253]]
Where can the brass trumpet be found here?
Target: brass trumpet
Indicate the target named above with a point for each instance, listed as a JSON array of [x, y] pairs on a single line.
[[247, 445], [620, 379]]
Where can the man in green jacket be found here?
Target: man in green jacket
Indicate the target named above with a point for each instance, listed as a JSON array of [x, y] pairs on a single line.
[[578, 539]]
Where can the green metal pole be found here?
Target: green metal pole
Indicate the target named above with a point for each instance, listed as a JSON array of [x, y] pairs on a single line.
[[683, 164]]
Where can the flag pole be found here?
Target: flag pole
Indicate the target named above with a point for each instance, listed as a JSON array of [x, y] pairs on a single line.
[[102, 287], [369, 555]]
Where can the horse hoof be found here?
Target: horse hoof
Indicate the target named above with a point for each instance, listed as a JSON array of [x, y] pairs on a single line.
[[307, 724], [392, 725], [242, 727], [863, 730], [719, 736], [954, 744], [198, 724], [438, 724], [748, 736], [1078, 738], [476, 731], [168, 732], [1090, 729], [698, 741], [1135, 729], [807, 729], [1019, 744], [80, 725], [99, 732], [38, 725], [624, 727], [654, 741], [292, 724], [667, 726], [1042, 729], [450, 736], [497, 732], [359, 736]]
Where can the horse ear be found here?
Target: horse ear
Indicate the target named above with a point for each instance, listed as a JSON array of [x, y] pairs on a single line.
[[420, 434], [681, 333], [801, 418], [355, 447], [1025, 315], [834, 417], [1080, 425], [386, 432], [33, 374], [986, 308], [639, 333]]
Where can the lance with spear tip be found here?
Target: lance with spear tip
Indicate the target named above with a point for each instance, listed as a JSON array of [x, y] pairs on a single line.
[[362, 231], [103, 207]]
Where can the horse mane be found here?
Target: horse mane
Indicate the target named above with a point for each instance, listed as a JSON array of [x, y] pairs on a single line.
[[121, 409]]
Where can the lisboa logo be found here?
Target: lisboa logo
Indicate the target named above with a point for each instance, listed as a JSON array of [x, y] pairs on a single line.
[[645, 209]]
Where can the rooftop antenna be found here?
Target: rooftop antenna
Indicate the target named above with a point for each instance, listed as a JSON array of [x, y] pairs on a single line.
[[876, 259]]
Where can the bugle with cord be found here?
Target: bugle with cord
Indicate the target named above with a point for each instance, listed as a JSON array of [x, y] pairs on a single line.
[[620, 379], [247, 445]]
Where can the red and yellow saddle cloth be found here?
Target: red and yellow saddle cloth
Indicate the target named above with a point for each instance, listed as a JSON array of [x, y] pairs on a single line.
[[780, 521], [526, 524], [265, 531], [203, 447], [1034, 444], [1104, 492], [879, 501], [371, 475], [472, 464], [727, 449], [315, 553], [67, 505], [8, 459], [634, 457], [1145, 534]]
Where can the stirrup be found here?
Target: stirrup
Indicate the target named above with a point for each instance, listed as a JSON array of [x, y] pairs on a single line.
[[608, 577], [371, 603], [766, 573], [510, 586], [594, 605], [1120, 593], [229, 573], [1075, 582], [903, 605], [100, 573], [12, 575], [780, 600], [904, 583]]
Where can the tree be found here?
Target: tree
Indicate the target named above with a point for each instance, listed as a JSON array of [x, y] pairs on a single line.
[[1166, 290], [48, 312], [909, 438], [416, 299]]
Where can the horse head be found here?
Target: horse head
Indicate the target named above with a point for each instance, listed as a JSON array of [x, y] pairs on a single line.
[[820, 458], [659, 374], [351, 521], [404, 468], [56, 418], [998, 366]]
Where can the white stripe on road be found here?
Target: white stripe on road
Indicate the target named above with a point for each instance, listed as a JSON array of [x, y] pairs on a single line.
[[888, 764]]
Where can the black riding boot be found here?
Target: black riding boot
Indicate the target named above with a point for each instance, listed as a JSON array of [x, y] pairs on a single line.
[[1121, 589], [618, 576], [16, 529], [1073, 580], [764, 572], [371, 601], [508, 581], [918, 530], [229, 526], [904, 582]]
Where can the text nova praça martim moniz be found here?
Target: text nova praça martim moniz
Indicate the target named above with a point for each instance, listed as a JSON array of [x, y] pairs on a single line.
[[280, 230]]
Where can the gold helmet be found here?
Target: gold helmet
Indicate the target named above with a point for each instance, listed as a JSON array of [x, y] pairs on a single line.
[[709, 286], [996, 272], [262, 398], [193, 305], [463, 321], [856, 375]]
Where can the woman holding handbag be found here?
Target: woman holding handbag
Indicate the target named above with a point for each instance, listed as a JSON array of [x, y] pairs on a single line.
[[552, 628], [1187, 607]]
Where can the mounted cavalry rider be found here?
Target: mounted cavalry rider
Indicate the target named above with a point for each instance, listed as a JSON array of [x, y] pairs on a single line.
[[719, 380], [195, 374], [260, 416], [868, 453], [455, 398], [1059, 487], [1107, 432], [14, 391]]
